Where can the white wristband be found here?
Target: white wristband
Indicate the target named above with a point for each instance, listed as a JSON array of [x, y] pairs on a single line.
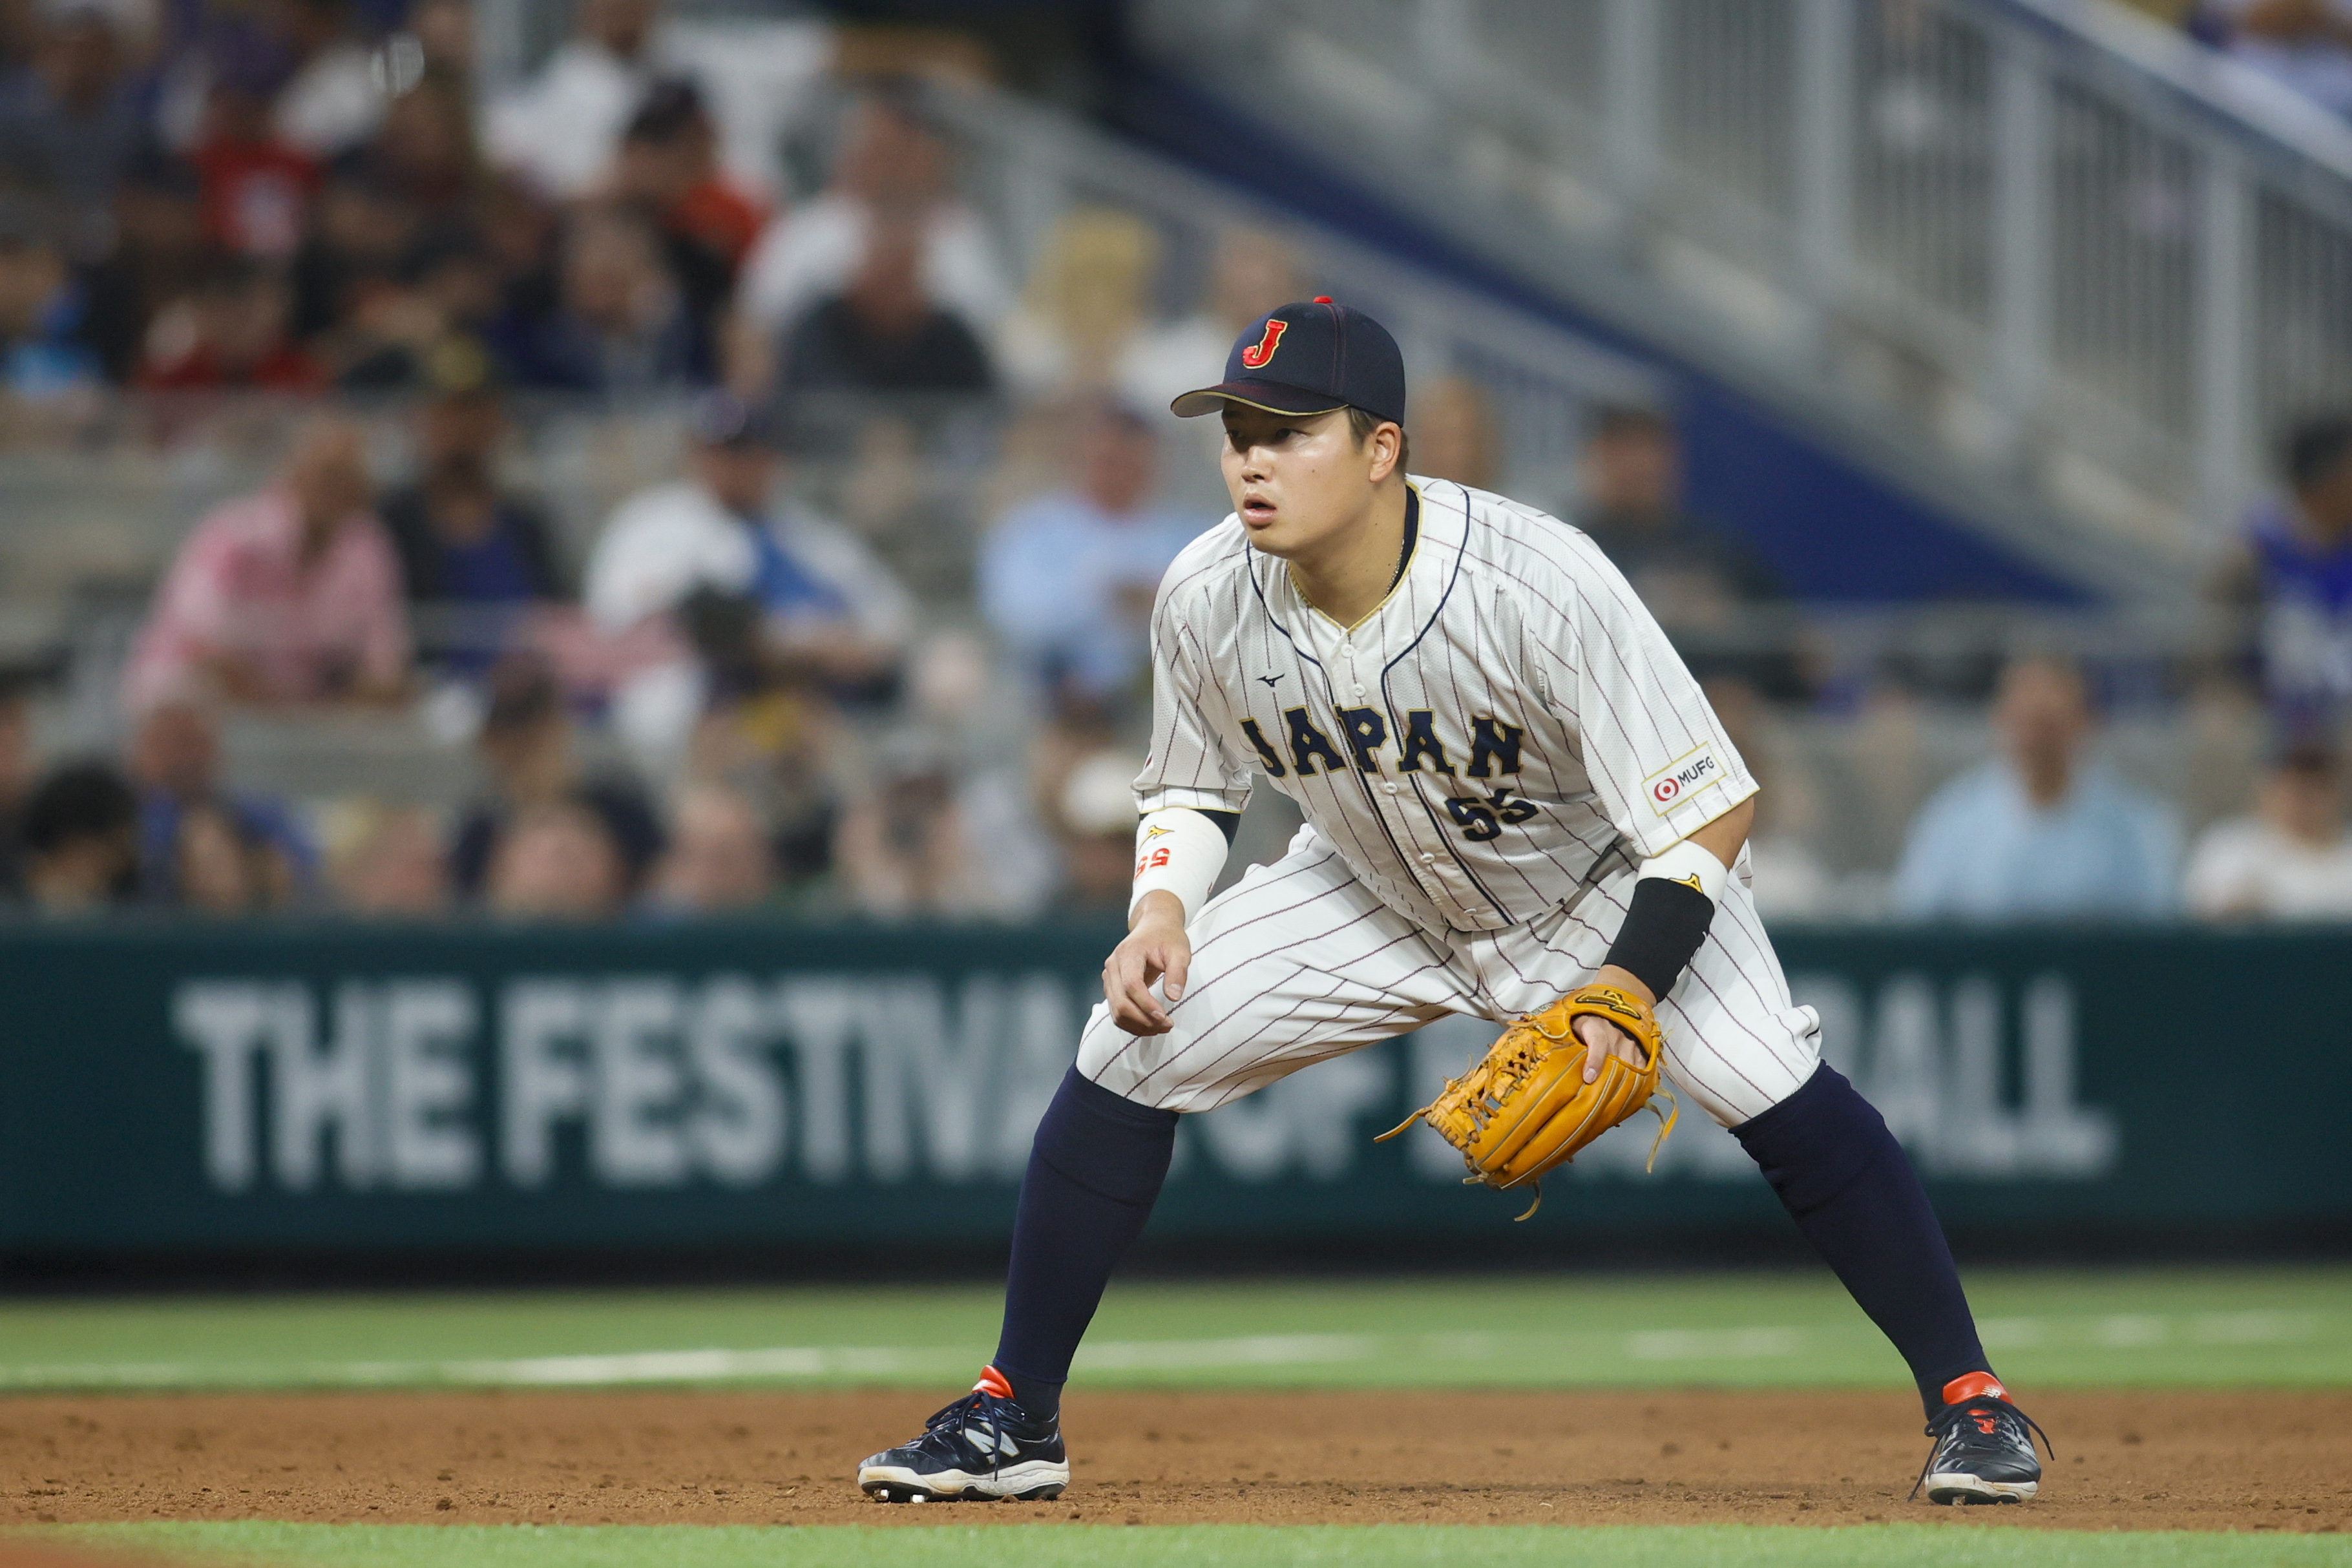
[[1692, 866], [1180, 851]]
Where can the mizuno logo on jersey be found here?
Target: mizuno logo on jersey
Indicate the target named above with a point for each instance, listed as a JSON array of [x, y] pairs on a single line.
[[1364, 732]]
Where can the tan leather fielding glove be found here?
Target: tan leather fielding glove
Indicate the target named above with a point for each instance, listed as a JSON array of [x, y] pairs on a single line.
[[1526, 1107]]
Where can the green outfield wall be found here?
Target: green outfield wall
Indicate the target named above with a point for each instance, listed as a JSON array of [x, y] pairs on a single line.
[[182, 1089]]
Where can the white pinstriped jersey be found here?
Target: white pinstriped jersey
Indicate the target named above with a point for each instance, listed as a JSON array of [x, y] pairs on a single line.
[[1509, 728]]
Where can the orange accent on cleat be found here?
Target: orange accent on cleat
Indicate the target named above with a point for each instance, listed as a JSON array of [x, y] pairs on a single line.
[[1975, 1386], [993, 1382]]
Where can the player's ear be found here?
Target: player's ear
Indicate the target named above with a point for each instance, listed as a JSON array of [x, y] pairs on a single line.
[[1385, 448]]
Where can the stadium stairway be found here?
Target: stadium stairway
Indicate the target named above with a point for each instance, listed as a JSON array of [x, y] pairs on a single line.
[[1999, 306]]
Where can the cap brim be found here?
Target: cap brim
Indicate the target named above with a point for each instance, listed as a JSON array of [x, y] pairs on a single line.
[[1270, 396]]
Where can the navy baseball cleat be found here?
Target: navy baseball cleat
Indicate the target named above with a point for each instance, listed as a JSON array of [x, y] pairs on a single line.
[[982, 1448], [1984, 1447]]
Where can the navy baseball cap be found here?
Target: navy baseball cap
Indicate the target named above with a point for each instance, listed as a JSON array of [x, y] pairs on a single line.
[[1309, 358]]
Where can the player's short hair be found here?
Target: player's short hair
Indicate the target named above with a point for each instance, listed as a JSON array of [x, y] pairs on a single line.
[[669, 109], [1363, 422], [2314, 449], [76, 803]]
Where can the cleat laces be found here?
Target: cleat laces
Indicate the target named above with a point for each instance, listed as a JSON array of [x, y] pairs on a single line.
[[951, 1433], [1989, 1417]]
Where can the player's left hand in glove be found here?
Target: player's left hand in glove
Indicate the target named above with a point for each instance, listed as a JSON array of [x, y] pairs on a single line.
[[1526, 1106]]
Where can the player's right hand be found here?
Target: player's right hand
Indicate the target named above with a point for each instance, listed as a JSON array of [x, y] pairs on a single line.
[[1602, 1039], [1155, 947]]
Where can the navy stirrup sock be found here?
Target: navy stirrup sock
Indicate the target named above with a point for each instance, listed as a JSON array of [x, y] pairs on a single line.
[[1094, 1174], [1852, 1190]]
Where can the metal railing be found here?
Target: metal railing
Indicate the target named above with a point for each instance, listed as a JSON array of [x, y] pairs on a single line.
[[2074, 252]]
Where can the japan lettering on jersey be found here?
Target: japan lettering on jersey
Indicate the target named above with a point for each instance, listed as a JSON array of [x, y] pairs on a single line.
[[1506, 727]]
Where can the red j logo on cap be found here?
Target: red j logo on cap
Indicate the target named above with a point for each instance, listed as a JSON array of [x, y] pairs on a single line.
[[1258, 354]]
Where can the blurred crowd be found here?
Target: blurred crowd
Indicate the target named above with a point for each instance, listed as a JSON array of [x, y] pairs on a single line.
[[723, 699], [294, 195], [742, 707], [2048, 826], [721, 696]]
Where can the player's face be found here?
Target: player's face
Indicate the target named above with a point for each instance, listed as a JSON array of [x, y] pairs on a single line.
[[1298, 481]]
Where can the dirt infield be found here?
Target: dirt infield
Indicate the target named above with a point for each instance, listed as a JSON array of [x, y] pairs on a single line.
[[19, 1554], [2140, 1460]]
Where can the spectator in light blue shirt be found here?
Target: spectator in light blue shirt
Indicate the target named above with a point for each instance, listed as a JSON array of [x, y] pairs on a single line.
[[2038, 834], [1067, 579]]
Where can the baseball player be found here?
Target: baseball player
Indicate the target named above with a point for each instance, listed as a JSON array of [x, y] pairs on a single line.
[[1512, 788]]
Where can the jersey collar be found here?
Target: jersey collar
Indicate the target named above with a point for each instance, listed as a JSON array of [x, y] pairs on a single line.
[[1409, 557], [1411, 537]]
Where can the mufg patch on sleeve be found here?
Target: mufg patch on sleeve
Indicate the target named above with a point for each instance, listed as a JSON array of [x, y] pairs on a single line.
[[1682, 778]]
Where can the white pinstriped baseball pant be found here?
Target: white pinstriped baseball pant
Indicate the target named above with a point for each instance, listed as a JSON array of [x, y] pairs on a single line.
[[1297, 962]]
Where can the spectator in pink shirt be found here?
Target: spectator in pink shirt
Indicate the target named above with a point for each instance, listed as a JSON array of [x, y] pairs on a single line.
[[290, 595]]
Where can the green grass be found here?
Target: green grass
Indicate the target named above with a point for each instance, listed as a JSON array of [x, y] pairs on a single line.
[[1086, 1546], [2247, 1327], [2214, 1327]]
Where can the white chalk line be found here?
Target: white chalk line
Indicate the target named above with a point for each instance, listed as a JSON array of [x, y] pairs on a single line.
[[2110, 1332]]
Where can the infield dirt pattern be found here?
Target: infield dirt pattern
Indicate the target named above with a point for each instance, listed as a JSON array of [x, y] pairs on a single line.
[[2138, 1460]]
